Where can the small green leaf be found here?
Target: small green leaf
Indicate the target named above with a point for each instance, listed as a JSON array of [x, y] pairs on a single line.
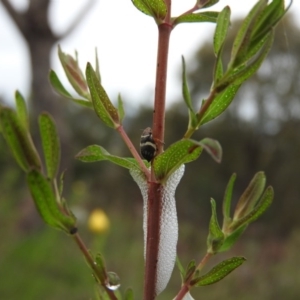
[[263, 204], [46, 204], [227, 200], [250, 196], [22, 110], [50, 142], [219, 271], [206, 3], [243, 37], [19, 140], [121, 110], [97, 66], [212, 147], [208, 16], [231, 239], [177, 154], [218, 69], [129, 294], [74, 73], [102, 104], [215, 237], [141, 6], [100, 263], [243, 73], [220, 103], [190, 270], [154, 8], [95, 153], [269, 18], [223, 23], [180, 267], [187, 97], [60, 89]]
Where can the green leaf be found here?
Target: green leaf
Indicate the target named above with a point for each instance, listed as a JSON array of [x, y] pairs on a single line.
[[50, 142], [100, 263], [243, 73], [142, 6], [263, 204], [97, 66], [22, 110], [187, 97], [97, 153], [19, 140], [268, 19], [190, 270], [218, 69], [208, 16], [212, 147], [206, 3], [220, 103], [60, 89], [46, 204], [227, 200], [219, 271], [74, 73], [154, 8], [242, 40], [250, 196], [215, 237], [180, 267], [231, 239], [102, 104], [223, 23], [129, 294], [177, 154], [121, 110]]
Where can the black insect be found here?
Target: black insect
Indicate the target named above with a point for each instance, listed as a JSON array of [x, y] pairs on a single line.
[[147, 144]]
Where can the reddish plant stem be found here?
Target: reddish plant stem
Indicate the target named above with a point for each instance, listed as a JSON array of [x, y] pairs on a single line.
[[164, 32], [92, 264], [155, 191], [152, 243], [133, 151]]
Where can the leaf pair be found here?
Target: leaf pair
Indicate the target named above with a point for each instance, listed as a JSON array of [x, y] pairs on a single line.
[[89, 88], [251, 205], [15, 128]]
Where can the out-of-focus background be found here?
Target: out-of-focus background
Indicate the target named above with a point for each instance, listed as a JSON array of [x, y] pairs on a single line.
[[260, 131]]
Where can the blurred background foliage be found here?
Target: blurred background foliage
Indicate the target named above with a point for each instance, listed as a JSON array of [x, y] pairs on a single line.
[[260, 131]]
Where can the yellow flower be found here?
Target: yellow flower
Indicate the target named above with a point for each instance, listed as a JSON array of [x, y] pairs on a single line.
[[98, 221]]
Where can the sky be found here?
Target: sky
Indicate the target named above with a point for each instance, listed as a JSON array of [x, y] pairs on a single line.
[[126, 40]]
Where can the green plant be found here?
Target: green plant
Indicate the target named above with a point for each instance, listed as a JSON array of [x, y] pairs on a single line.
[[158, 175]]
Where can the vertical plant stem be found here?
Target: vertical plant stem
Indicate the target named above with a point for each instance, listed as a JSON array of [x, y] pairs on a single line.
[[154, 192], [164, 32], [152, 243]]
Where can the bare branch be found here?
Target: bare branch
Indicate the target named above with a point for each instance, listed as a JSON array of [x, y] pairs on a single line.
[[16, 17], [77, 19]]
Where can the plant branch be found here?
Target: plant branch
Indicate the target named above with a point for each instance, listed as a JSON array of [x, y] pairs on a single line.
[[186, 286], [92, 265], [133, 151], [16, 17], [203, 109]]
